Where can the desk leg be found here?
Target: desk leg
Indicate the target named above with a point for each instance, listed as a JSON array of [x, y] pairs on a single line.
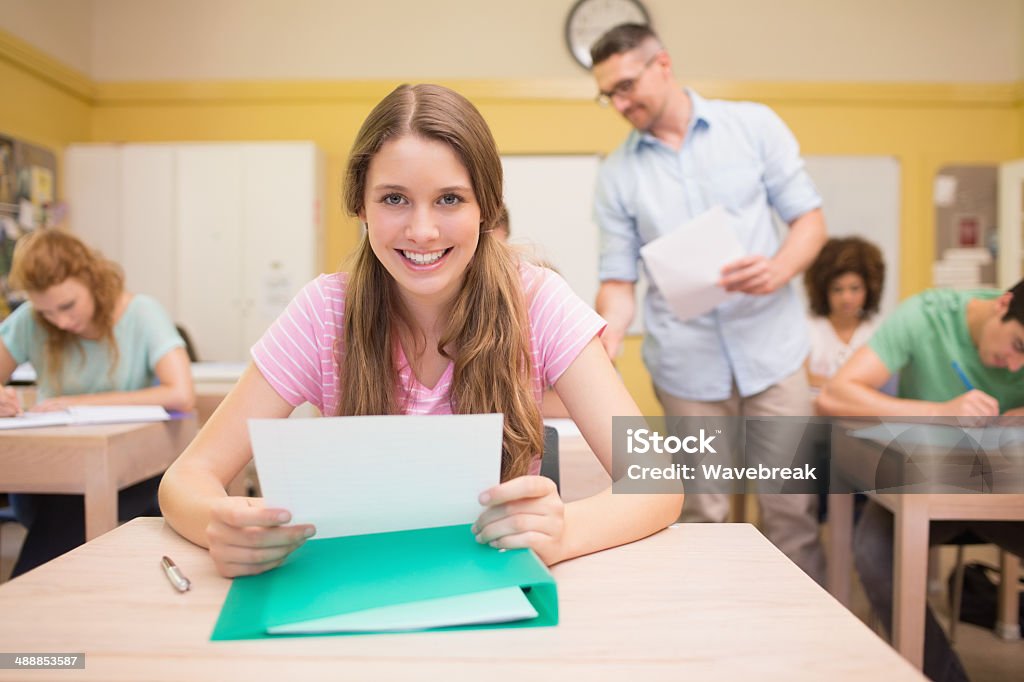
[[840, 546], [910, 580], [100, 497], [1007, 624]]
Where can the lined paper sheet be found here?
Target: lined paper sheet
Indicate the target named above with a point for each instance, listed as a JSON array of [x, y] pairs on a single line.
[[376, 474], [686, 264]]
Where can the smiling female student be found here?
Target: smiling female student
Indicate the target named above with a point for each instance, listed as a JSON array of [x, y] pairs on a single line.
[[436, 316], [91, 343]]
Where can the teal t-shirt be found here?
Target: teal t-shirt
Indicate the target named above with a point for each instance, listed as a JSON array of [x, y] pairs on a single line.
[[923, 338], [144, 335]]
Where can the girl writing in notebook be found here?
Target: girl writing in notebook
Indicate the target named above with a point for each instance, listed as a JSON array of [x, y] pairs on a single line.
[[436, 316], [91, 343]]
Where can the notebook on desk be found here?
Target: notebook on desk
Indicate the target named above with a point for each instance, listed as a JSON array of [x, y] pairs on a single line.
[[80, 416], [393, 499]]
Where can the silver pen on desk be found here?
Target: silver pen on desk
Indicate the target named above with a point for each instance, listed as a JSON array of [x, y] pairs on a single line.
[[174, 574]]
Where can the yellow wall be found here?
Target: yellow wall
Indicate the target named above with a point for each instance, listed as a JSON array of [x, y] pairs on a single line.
[[925, 126], [44, 102]]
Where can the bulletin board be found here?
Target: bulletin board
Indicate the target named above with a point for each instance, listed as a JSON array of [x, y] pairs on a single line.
[[28, 192]]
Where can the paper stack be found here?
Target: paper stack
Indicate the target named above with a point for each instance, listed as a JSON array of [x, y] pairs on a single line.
[[961, 268]]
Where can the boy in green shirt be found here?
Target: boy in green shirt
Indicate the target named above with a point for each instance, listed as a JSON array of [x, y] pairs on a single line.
[[982, 333]]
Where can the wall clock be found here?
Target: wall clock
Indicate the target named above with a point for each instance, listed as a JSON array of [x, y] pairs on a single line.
[[589, 19]]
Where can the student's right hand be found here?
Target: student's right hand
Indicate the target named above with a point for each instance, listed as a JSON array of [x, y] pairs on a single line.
[[246, 539], [10, 403], [974, 403]]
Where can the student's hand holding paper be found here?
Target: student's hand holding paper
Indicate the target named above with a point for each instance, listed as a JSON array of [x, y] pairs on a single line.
[[245, 538], [753, 274], [524, 512]]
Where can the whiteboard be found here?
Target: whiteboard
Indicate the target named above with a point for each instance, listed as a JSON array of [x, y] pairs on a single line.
[[861, 197], [550, 200]]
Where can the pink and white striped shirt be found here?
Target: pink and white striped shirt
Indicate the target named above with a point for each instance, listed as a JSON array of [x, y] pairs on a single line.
[[297, 354]]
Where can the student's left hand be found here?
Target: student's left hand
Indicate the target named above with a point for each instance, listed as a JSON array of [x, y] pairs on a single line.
[[755, 275], [523, 512]]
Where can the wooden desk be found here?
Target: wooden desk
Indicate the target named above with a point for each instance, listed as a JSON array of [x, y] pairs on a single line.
[[912, 514], [700, 601], [94, 461]]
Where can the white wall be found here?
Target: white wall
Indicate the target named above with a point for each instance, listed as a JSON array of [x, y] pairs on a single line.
[[867, 40]]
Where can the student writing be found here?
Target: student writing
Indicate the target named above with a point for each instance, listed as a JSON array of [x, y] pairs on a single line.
[[982, 331], [91, 343]]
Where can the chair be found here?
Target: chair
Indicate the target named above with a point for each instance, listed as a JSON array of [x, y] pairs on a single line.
[[6, 516], [549, 460], [1007, 617]]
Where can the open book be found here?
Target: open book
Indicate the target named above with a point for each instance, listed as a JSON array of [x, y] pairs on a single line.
[[393, 499], [78, 416]]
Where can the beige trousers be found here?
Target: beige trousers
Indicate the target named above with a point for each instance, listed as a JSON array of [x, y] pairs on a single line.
[[789, 521]]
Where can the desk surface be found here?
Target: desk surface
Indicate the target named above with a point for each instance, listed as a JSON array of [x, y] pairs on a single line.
[[700, 601], [95, 461]]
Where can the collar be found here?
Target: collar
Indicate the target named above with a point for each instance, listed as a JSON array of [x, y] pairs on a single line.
[[701, 115]]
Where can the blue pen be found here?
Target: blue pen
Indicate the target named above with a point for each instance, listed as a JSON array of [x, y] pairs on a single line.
[[963, 377]]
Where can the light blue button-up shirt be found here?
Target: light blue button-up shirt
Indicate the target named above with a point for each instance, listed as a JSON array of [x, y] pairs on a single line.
[[739, 155]]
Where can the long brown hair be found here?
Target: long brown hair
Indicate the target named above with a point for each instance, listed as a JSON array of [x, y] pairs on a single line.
[[487, 327], [46, 258]]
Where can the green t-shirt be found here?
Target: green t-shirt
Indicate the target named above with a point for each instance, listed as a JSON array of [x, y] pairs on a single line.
[[923, 338], [144, 335]]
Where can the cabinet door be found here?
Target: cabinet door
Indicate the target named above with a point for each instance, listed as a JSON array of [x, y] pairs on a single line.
[[1011, 222], [92, 177], [209, 231], [148, 245], [280, 194]]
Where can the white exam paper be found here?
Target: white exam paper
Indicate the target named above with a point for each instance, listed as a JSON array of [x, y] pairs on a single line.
[[686, 264], [377, 474]]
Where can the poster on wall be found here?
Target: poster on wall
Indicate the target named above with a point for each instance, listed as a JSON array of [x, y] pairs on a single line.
[[28, 191]]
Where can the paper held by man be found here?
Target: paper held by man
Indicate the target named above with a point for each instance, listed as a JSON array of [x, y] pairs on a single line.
[[686, 264]]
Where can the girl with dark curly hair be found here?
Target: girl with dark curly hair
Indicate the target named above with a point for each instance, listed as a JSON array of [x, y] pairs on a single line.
[[844, 287]]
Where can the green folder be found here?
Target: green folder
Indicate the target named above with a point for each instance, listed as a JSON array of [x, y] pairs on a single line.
[[347, 576]]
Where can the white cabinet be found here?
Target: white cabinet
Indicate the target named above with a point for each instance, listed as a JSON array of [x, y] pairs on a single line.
[[223, 234]]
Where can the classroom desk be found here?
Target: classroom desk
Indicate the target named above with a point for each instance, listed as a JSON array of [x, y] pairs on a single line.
[[95, 461], [701, 601], [855, 459]]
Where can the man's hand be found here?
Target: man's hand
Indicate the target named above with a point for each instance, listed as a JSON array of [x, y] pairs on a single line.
[[611, 339], [756, 275]]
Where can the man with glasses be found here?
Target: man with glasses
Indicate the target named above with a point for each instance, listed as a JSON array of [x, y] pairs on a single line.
[[686, 155]]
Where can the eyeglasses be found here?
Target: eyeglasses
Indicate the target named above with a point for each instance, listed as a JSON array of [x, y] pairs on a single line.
[[624, 88]]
